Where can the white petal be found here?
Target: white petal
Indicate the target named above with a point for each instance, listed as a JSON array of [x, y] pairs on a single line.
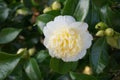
[[80, 26], [81, 54], [65, 19], [87, 40], [51, 53], [48, 30]]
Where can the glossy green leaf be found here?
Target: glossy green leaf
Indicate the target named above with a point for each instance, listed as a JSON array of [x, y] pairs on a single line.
[[100, 3], [8, 34], [28, 3], [99, 55], [105, 14], [64, 77], [77, 76], [32, 70], [110, 17], [56, 64], [76, 8], [4, 11], [54, 13], [69, 7], [81, 10], [7, 64], [42, 55], [93, 17]]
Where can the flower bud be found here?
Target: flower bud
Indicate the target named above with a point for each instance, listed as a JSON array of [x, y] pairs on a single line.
[[100, 33], [87, 70], [31, 51], [24, 52], [20, 50], [47, 9], [109, 32], [101, 25], [56, 5]]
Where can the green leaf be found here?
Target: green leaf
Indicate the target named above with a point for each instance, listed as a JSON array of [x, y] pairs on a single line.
[[54, 13], [32, 70], [93, 17], [42, 55], [8, 34], [64, 77], [7, 64], [105, 14], [76, 8], [100, 3], [114, 41], [69, 7], [4, 11], [77, 76], [110, 17], [56, 64], [99, 55], [27, 3], [81, 10]]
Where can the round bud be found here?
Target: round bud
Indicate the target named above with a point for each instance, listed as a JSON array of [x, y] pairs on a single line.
[[20, 50], [22, 11], [24, 52], [31, 51], [109, 32], [56, 5], [87, 70], [100, 33], [101, 25], [47, 9]]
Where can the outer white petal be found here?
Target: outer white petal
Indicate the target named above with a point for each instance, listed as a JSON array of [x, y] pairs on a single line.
[[87, 40], [81, 54], [51, 53], [48, 29], [65, 19]]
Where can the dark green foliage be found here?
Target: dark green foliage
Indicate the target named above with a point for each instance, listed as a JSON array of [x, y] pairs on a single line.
[[21, 25]]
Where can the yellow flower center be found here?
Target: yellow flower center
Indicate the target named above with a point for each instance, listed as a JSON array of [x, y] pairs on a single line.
[[65, 42]]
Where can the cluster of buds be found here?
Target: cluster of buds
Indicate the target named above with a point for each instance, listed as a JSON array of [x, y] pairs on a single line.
[[55, 6], [104, 30], [26, 53]]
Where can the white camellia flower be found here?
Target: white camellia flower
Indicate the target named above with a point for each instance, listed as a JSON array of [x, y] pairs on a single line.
[[67, 39]]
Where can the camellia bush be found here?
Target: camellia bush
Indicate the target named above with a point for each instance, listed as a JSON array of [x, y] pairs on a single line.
[[59, 39]]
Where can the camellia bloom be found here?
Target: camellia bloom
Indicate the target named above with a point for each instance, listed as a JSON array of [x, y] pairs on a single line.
[[67, 39]]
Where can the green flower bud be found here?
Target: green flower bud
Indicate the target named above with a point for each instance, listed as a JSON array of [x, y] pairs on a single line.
[[56, 5], [101, 25], [100, 33], [31, 51], [47, 9], [24, 52], [109, 32], [22, 11], [20, 50]]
